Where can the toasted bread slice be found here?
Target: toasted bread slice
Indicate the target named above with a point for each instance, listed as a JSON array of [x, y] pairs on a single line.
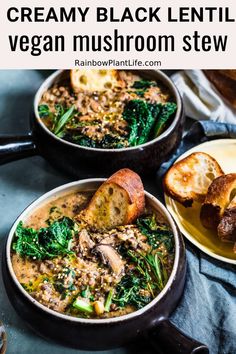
[[188, 180], [118, 201], [93, 79], [227, 227], [218, 198]]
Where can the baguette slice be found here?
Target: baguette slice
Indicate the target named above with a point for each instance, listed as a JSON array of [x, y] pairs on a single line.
[[227, 227], [218, 198], [118, 201], [93, 79], [188, 180]]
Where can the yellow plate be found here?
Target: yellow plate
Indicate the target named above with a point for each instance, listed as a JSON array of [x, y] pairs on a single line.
[[224, 151]]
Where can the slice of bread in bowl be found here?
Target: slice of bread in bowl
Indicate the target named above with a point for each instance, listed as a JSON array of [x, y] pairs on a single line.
[[118, 201], [93, 79]]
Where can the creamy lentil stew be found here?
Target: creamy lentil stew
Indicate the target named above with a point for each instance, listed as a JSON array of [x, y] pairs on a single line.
[[126, 111], [77, 271]]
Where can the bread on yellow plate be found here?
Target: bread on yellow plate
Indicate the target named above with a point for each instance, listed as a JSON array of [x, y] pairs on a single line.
[[219, 196], [227, 227], [188, 179]]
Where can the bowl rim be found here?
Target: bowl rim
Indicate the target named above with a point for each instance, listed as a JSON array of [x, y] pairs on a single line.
[[63, 190], [162, 77]]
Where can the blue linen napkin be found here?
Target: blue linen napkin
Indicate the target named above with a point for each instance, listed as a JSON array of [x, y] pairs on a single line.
[[207, 310], [216, 270]]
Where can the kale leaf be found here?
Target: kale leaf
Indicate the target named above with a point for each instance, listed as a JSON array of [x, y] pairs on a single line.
[[128, 292], [140, 120], [111, 141], [167, 110], [143, 84], [26, 242], [47, 242], [154, 109], [55, 238], [82, 140], [107, 142], [146, 120], [44, 111]]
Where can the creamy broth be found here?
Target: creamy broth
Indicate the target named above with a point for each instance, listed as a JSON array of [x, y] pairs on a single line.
[[69, 205]]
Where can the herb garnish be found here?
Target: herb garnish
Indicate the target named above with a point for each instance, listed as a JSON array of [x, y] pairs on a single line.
[[128, 291], [63, 119], [59, 119], [156, 233], [139, 286], [149, 273]]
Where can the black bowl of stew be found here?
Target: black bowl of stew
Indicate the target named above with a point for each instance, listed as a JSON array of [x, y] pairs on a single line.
[[89, 133], [27, 282]]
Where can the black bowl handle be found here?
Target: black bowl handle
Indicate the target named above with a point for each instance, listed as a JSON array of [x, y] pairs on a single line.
[[166, 339], [16, 147]]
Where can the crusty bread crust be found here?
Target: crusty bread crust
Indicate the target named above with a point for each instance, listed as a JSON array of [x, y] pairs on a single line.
[[225, 83], [122, 192], [218, 198], [132, 184], [227, 227], [188, 179]]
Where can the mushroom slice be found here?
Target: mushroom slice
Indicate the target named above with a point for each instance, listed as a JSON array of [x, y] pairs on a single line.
[[85, 242], [111, 239], [111, 257]]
